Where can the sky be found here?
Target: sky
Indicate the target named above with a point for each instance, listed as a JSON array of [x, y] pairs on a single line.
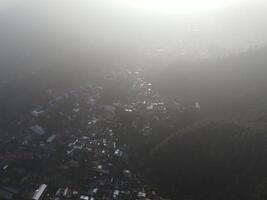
[[128, 31]]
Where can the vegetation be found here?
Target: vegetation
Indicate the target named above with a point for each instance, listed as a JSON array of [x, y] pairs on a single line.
[[222, 154], [212, 160]]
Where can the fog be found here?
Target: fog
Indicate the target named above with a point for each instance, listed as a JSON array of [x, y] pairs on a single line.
[[133, 99], [115, 32]]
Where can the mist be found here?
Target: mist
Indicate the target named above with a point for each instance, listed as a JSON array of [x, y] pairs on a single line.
[[81, 32], [141, 99]]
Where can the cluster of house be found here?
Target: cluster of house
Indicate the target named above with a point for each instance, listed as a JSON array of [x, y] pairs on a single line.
[[67, 148]]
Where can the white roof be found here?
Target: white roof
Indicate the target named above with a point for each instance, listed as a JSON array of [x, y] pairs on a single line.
[[38, 129], [84, 197], [39, 192], [51, 138]]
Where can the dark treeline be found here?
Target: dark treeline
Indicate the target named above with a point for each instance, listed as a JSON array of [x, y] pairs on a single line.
[[230, 85], [222, 154]]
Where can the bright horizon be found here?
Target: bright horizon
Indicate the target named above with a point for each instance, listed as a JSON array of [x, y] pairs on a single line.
[[178, 7], [55, 29]]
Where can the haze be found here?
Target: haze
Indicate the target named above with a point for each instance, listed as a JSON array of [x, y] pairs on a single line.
[[124, 31], [133, 99]]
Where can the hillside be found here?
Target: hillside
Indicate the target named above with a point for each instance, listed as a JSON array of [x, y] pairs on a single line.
[[213, 160], [223, 154], [230, 85]]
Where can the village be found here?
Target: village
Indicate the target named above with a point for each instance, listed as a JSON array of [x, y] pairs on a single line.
[[68, 148]]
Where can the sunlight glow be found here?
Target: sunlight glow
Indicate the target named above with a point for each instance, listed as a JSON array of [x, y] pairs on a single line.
[[178, 7], [5, 3]]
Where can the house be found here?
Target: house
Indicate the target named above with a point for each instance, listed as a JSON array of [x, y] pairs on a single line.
[[197, 105], [37, 129], [51, 138], [36, 113], [39, 193]]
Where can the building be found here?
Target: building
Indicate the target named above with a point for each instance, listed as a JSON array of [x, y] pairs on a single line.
[[38, 130], [39, 193]]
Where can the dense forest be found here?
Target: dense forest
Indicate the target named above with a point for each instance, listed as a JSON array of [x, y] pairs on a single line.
[[222, 154], [231, 85]]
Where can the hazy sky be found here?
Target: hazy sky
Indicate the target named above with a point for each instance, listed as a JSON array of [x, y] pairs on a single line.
[[78, 29]]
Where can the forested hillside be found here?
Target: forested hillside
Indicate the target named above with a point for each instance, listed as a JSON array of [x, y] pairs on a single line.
[[213, 160], [229, 85], [223, 154]]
